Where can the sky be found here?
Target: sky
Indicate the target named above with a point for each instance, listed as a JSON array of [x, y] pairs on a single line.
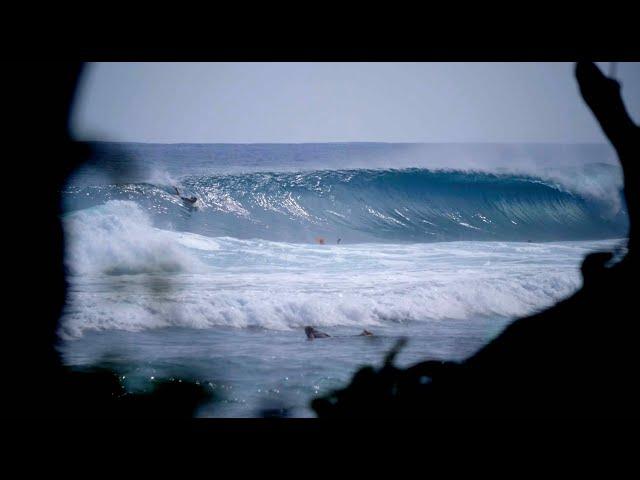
[[339, 102]]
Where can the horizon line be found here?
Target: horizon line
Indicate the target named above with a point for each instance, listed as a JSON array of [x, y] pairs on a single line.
[[346, 142]]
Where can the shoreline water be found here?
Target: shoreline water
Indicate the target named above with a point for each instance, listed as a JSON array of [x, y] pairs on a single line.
[[250, 370]]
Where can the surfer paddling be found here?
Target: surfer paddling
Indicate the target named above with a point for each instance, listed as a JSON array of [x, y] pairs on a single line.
[[189, 200], [313, 333]]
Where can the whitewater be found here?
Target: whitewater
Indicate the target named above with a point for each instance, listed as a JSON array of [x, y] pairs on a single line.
[[220, 291]]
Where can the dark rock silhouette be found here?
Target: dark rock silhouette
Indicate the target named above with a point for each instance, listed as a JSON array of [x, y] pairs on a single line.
[[39, 385], [576, 359]]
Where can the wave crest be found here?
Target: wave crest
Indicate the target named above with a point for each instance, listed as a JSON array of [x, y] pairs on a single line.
[[118, 238]]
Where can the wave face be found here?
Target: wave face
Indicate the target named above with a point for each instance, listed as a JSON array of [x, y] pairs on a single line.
[[407, 205]]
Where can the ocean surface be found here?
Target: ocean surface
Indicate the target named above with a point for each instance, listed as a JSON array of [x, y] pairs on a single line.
[[442, 244]]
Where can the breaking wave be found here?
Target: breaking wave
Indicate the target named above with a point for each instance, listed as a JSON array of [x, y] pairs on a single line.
[[413, 205]]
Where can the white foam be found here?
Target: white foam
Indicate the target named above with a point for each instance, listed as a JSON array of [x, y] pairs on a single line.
[[274, 285], [118, 238]]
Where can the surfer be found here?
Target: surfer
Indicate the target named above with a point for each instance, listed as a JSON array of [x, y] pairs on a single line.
[[190, 200], [313, 333]]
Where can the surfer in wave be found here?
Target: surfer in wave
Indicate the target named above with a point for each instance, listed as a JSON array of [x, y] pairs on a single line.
[[188, 200]]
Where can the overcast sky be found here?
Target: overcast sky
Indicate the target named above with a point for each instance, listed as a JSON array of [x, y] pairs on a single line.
[[339, 102]]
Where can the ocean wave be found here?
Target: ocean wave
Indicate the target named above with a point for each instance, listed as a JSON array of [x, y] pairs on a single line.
[[414, 205]]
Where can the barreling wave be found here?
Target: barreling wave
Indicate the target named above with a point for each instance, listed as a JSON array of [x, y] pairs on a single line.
[[412, 205]]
